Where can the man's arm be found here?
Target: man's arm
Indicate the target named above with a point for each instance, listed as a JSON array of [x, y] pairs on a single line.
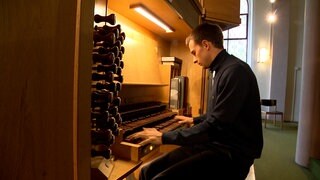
[[231, 94]]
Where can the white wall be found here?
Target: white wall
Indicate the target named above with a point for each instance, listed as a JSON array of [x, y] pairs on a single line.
[[260, 31], [295, 58], [276, 78]]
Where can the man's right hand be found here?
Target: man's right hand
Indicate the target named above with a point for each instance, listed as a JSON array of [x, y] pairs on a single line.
[[184, 120]]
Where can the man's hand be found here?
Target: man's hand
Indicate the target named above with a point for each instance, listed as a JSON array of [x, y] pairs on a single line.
[[184, 120], [149, 135]]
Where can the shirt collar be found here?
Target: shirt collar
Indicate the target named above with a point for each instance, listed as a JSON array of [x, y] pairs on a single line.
[[217, 60]]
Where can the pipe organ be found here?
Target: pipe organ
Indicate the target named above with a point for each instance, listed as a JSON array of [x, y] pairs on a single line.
[[135, 117]]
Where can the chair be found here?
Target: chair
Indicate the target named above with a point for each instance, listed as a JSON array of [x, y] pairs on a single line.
[[271, 104]]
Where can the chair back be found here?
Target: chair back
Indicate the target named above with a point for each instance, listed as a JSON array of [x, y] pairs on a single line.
[[269, 107], [268, 102]]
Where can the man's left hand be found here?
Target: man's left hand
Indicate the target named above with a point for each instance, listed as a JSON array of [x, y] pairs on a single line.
[[149, 135]]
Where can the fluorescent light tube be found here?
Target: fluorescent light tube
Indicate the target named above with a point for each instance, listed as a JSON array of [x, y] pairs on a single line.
[[149, 15]]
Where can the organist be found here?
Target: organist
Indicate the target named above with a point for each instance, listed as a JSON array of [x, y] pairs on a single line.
[[224, 142]]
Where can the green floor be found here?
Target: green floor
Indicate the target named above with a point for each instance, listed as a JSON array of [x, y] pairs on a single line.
[[278, 156]]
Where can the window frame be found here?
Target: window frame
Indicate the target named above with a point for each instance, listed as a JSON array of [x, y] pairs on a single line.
[[228, 39]]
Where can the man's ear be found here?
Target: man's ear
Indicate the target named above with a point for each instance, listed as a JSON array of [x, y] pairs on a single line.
[[206, 44]]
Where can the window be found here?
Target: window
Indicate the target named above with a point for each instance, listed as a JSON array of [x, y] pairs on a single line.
[[236, 39]]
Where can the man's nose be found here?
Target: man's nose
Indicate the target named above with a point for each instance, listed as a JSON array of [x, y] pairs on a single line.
[[195, 61]]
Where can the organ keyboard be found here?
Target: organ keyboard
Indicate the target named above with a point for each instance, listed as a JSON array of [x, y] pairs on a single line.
[[134, 118]]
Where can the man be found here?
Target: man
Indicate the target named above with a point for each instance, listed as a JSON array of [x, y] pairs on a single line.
[[223, 143]]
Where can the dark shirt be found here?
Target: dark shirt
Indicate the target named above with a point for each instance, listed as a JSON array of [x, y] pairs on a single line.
[[233, 119]]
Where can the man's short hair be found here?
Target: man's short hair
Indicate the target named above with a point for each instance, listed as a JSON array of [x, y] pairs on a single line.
[[209, 32]]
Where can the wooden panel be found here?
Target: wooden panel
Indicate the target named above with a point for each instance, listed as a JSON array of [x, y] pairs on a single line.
[[192, 71], [143, 52], [160, 8], [142, 93], [38, 128], [224, 12], [82, 90]]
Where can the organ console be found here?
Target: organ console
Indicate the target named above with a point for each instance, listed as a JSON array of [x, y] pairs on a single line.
[[134, 118]]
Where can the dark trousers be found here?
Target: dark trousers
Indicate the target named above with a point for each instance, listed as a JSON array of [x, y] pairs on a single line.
[[196, 163]]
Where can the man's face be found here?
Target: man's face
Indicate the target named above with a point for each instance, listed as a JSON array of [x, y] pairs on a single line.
[[200, 53]]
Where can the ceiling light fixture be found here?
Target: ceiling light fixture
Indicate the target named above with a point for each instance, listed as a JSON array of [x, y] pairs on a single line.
[[149, 15]]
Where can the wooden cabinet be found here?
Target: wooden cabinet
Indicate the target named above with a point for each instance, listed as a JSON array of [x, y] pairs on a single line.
[[224, 12], [45, 74]]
